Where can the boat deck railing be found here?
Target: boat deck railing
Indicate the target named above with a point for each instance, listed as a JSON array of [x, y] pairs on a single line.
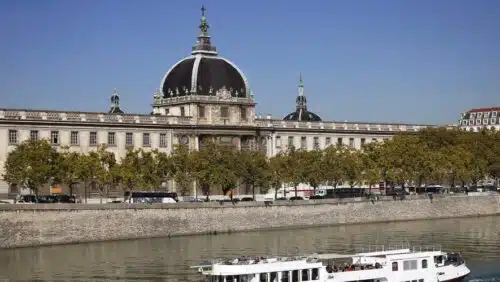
[[403, 246]]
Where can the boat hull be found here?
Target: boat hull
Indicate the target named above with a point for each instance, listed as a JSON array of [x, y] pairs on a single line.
[[458, 279]]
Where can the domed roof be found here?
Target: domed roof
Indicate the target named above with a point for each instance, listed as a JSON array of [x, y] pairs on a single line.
[[204, 72], [301, 113]]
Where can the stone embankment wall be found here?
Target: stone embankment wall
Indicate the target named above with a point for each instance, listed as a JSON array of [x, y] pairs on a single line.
[[31, 225]]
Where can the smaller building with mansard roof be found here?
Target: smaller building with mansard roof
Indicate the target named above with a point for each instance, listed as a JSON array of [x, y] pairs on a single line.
[[478, 118], [203, 96]]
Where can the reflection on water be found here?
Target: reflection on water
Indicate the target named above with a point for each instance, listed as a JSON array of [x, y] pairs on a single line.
[[478, 239]]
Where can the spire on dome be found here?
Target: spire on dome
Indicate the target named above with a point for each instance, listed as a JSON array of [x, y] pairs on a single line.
[[115, 103], [301, 101], [203, 44], [301, 86]]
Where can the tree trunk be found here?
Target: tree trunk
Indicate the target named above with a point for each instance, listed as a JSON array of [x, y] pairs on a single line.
[[275, 193], [296, 190], [253, 191]]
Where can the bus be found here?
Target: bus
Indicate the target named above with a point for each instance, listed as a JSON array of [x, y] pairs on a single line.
[[342, 192], [150, 197], [47, 199]]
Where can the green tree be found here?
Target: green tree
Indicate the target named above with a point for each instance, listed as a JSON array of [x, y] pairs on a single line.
[[130, 170], [100, 170], [370, 163], [311, 168], [69, 166], [31, 164], [182, 164], [293, 175], [277, 172], [253, 169]]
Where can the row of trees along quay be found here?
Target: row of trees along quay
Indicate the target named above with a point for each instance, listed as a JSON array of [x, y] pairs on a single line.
[[431, 156]]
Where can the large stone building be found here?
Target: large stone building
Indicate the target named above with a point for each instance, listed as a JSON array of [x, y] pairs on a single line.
[[201, 96], [477, 119]]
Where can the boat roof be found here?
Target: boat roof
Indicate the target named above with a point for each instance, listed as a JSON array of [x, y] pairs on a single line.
[[244, 262]]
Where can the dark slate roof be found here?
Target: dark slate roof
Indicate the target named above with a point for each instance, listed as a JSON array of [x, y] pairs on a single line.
[[301, 115], [213, 74], [116, 110], [179, 78]]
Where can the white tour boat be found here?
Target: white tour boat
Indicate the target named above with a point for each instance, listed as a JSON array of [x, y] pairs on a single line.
[[417, 264]]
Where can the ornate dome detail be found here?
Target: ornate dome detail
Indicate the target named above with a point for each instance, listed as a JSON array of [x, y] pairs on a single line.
[[301, 113], [204, 72]]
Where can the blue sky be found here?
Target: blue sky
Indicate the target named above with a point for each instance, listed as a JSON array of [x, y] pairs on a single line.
[[417, 61]]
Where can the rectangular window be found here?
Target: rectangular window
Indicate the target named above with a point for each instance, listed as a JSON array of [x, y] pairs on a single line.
[[12, 137], [395, 266], [424, 263], [129, 139], [34, 135], [485, 121], [409, 265], [274, 276], [111, 139], [291, 142], [315, 274], [285, 276], [363, 141], [420, 280], [145, 140], [163, 140], [224, 112], [93, 138], [295, 275], [74, 138], [493, 120], [374, 140], [351, 142], [303, 142], [201, 111], [243, 113], [305, 275], [339, 141], [328, 141], [278, 141], [493, 114], [316, 143], [183, 112], [54, 137]]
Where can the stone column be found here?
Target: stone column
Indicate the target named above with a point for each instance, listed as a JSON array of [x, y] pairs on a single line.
[[197, 142], [238, 145], [271, 140]]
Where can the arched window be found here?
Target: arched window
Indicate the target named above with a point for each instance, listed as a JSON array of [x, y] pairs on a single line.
[[424, 263]]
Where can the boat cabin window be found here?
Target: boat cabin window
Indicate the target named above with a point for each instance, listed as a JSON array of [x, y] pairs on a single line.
[[438, 259], [295, 276], [315, 273], [395, 266], [409, 265], [305, 275], [424, 263], [284, 276], [229, 278]]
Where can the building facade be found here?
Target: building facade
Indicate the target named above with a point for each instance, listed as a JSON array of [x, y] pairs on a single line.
[[201, 96], [476, 119]]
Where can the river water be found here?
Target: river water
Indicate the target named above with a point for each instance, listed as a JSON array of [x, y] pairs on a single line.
[[168, 259]]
